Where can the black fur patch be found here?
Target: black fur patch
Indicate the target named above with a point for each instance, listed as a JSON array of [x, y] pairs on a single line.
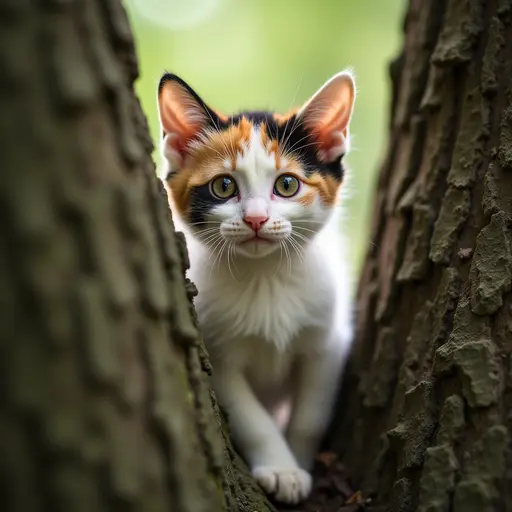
[[201, 202]]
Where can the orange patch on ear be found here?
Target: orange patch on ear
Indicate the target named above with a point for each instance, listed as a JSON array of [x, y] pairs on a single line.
[[327, 187]]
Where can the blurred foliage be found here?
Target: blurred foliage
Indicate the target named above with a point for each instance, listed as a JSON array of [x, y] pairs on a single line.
[[274, 54]]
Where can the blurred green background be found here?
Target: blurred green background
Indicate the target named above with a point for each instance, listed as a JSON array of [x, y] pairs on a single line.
[[274, 54]]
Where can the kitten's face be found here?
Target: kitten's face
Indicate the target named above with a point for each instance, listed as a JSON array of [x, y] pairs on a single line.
[[257, 181]]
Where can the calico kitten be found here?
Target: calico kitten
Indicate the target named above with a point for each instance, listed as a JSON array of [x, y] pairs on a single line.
[[257, 195]]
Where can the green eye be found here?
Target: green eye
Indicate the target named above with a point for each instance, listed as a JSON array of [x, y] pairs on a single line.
[[223, 187], [286, 185]]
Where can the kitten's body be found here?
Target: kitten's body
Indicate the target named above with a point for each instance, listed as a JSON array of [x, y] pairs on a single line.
[[276, 322], [237, 308]]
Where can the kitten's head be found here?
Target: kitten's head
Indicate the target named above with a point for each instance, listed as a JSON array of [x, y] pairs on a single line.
[[257, 180]]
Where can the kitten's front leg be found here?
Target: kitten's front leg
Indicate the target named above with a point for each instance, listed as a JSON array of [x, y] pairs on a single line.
[[272, 463], [315, 385]]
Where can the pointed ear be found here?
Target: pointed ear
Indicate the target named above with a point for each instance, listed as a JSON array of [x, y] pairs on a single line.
[[183, 116], [326, 115]]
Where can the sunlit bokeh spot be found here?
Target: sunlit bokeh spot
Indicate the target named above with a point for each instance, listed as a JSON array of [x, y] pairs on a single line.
[[176, 14]]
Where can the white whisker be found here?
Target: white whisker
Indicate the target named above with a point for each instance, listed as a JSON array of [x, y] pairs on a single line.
[[288, 257], [280, 258], [205, 222], [206, 232], [297, 248], [305, 229], [215, 253], [219, 256], [310, 221], [230, 247], [212, 236]]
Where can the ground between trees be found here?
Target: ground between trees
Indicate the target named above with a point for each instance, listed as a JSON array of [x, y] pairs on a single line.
[[105, 403]]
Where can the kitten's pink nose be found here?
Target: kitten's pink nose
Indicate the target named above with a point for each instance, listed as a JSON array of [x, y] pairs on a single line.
[[255, 221], [255, 212]]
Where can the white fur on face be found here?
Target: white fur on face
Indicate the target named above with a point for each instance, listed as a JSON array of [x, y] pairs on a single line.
[[289, 221]]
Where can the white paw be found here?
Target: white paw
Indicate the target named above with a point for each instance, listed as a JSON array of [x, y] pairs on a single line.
[[287, 485]]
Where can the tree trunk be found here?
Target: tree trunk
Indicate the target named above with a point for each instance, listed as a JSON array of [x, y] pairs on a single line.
[[104, 399], [424, 419]]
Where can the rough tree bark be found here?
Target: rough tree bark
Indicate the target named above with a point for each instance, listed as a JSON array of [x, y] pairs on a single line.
[[425, 417], [104, 400]]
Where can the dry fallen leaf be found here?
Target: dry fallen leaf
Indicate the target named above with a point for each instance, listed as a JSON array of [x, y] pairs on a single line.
[[327, 458], [357, 497]]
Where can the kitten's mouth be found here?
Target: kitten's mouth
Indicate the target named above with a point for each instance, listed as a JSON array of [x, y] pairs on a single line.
[[258, 246], [258, 240]]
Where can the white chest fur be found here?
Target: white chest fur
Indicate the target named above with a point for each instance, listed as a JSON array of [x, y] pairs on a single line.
[[268, 306], [272, 303]]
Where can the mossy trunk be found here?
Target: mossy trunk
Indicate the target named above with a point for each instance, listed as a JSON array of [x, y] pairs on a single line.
[[424, 421], [104, 400]]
